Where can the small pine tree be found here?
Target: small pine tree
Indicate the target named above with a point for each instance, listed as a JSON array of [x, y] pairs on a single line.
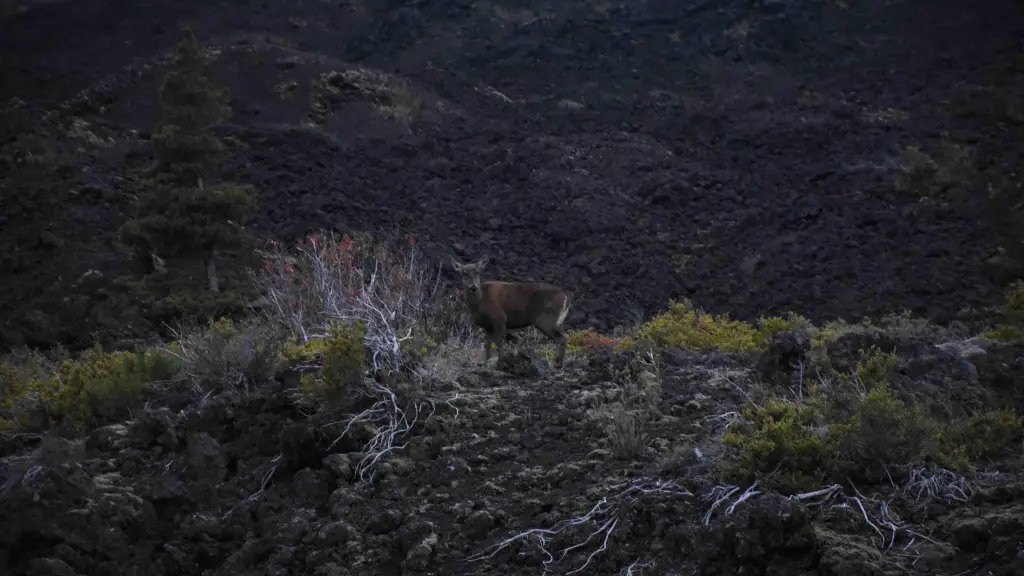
[[181, 212], [190, 106]]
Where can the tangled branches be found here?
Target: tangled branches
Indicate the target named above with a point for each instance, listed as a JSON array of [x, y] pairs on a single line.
[[388, 421], [328, 280], [602, 519], [946, 485], [876, 514], [393, 297]]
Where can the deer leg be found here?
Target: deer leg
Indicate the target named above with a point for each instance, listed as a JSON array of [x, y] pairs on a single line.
[[560, 338], [488, 340], [499, 337], [561, 342]]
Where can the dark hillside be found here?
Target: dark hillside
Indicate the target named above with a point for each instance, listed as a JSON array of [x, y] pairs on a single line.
[[742, 154]]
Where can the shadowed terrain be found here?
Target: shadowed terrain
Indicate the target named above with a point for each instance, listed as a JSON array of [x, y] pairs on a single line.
[[745, 155], [667, 162]]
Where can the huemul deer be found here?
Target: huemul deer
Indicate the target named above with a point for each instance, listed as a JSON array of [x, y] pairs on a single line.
[[500, 306]]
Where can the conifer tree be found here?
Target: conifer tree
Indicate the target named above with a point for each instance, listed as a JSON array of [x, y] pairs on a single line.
[[183, 211]]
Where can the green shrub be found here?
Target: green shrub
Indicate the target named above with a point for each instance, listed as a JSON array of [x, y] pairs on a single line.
[[899, 327], [683, 326], [868, 438], [780, 446], [952, 165], [1013, 310], [874, 367], [1005, 333], [987, 436], [341, 357], [1015, 299], [883, 432], [95, 386]]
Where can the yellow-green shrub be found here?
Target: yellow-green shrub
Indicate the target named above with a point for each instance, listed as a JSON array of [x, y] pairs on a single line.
[[95, 385], [683, 326], [771, 325], [793, 447], [417, 348], [986, 436], [19, 396], [1013, 309], [1005, 333], [874, 367], [341, 355], [100, 384]]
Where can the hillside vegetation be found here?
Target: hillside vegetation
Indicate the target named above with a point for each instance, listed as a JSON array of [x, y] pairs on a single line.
[[350, 426]]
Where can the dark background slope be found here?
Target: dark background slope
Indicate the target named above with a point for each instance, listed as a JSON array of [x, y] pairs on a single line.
[[741, 154]]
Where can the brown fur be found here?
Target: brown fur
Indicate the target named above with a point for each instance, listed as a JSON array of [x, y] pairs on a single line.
[[497, 307]]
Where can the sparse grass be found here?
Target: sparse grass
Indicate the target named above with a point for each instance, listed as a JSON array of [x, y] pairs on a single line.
[[625, 431], [391, 97], [224, 353], [935, 174], [900, 327], [637, 377]]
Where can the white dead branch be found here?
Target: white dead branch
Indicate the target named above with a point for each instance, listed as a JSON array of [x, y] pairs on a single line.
[[602, 520]]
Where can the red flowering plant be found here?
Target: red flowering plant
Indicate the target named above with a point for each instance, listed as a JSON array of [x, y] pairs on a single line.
[[328, 278]]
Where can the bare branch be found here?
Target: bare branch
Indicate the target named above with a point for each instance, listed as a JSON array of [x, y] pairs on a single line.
[[605, 515]]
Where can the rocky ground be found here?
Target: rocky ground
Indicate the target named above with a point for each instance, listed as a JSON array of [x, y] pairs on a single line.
[[743, 154], [513, 469]]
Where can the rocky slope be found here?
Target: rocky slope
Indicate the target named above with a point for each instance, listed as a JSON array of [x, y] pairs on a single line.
[[509, 471], [744, 154]]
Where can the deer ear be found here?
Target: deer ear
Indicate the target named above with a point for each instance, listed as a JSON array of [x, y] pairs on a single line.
[[455, 264], [483, 261]]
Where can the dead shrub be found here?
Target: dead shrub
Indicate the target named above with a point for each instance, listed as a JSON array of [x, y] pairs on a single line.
[[224, 353]]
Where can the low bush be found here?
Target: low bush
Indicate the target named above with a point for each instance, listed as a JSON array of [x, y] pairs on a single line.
[[589, 340], [983, 437], [333, 364], [853, 427], [781, 446], [683, 326], [883, 436], [874, 367], [89, 389], [225, 353], [1012, 326], [901, 327], [933, 175]]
